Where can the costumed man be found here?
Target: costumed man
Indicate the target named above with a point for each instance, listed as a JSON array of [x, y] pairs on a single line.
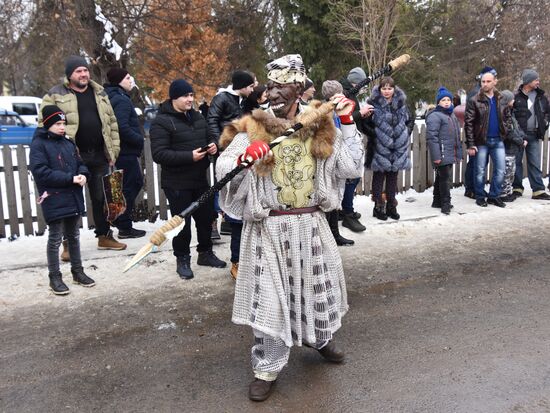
[[290, 288]]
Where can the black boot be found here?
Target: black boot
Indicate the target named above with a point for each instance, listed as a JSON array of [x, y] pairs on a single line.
[[57, 285], [183, 267], [259, 390], [80, 278], [332, 218], [379, 212], [343, 242], [209, 259], [391, 211], [352, 223]]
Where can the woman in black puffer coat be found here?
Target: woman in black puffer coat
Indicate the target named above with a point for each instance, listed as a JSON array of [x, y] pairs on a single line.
[[391, 124]]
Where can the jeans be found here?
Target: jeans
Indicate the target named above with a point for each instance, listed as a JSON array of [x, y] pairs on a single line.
[[236, 231], [532, 152], [179, 200], [131, 185], [98, 166], [349, 192], [68, 227], [494, 148]]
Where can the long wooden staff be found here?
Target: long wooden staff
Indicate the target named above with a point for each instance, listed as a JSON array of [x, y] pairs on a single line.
[[159, 237]]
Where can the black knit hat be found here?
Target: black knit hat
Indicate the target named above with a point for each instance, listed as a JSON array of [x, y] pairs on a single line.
[[51, 114], [241, 79], [72, 63], [179, 88], [115, 75]]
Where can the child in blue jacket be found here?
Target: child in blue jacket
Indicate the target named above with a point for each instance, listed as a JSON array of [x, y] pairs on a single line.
[[60, 175]]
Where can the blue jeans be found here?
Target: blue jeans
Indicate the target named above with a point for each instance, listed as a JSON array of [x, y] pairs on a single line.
[[349, 192], [469, 175], [494, 148], [532, 152]]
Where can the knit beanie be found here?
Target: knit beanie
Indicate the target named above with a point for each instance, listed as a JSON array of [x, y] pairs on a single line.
[[330, 88], [528, 76], [441, 93], [506, 97], [72, 63], [179, 88], [241, 79], [51, 114], [356, 75], [115, 75], [488, 69]]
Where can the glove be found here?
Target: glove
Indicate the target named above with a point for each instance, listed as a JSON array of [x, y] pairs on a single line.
[[344, 108], [256, 150]]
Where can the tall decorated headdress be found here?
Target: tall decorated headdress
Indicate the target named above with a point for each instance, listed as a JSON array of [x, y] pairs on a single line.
[[287, 69]]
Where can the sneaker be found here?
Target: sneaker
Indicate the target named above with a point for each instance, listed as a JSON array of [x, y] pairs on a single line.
[[183, 267], [131, 233], [80, 278], [496, 201], [65, 257], [209, 259], [234, 270], [215, 234], [352, 223], [481, 202], [542, 196], [225, 228], [108, 242], [508, 198], [57, 285]]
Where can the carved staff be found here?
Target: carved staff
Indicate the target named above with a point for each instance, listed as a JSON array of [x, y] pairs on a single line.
[[159, 237]]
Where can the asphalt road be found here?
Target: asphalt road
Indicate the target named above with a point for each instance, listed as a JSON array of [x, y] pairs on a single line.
[[462, 327]]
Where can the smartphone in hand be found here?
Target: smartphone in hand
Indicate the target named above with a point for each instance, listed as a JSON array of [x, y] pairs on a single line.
[[205, 148]]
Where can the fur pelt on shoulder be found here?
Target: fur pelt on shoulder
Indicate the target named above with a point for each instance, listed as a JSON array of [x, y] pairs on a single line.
[[262, 125]]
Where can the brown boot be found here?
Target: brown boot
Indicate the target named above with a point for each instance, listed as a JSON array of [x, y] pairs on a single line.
[[65, 257], [332, 353], [108, 242], [260, 390], [234, 270]]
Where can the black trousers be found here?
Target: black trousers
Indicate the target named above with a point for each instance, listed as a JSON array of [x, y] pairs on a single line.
[[131, 185], [180, 199], [442, 184], [99, 167]]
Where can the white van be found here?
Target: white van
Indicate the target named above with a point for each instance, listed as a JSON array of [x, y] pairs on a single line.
[[26, 106]]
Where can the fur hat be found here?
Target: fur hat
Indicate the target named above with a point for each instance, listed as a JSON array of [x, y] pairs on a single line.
[[331, 88], [74, 62], [442, 93], [51, 114], [287, 69], [179, 88], [506, 97], [115, 75], [528, 76], [241, 79], [356, 75]]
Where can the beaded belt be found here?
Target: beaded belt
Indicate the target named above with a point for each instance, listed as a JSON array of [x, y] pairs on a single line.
[[293, 211]]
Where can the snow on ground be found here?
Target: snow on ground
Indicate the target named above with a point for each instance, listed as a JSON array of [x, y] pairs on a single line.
[[24, 281]]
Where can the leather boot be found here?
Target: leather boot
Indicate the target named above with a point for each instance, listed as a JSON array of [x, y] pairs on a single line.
[[259, 390], [80, 278], [332, 353], [332, 218], [379, 212], [209, 259], [108, 242], [391, 211], [57, 285], [234, 270], [65, 257], [352, 223], [343, 242], [183, 267]]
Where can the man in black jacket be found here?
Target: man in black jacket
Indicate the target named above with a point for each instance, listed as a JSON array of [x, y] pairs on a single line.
[[177, 135], [131, 146], [532, 111]]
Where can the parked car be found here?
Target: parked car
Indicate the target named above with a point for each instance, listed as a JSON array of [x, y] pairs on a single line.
[[27, 107], [14, 130]]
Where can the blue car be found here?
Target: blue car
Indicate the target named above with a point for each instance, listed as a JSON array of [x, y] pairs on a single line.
[[14, 130]]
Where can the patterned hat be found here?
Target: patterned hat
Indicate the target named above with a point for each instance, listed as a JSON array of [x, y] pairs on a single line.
[[287, 69]]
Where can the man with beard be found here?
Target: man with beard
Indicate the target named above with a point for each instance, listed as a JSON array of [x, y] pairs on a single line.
[[92, 124], [290, 288]]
